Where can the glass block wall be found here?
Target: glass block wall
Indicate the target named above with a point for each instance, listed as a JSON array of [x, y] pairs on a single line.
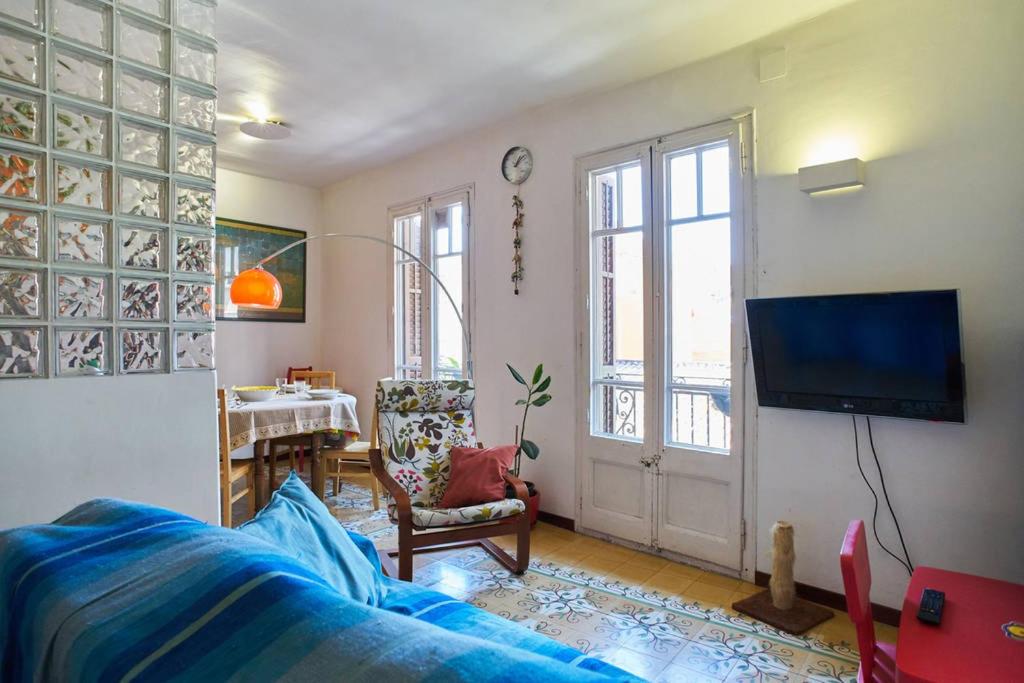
[[107, 145]]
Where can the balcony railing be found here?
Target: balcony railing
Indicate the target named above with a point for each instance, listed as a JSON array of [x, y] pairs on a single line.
[[699, 414], [621, 410]]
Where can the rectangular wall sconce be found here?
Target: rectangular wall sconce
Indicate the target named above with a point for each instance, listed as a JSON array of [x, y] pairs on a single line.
[[833, 176]]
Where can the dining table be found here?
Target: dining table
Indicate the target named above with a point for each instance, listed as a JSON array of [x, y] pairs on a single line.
[[288, 415]]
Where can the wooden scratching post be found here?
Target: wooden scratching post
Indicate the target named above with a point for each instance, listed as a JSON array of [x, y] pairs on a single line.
[[778, 606], [781, 585]]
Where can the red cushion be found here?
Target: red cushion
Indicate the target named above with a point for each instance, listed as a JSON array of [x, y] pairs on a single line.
[[477, 476]]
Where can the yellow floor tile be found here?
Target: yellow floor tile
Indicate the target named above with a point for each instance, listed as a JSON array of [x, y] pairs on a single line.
[[597, 565], [746, 588], [681, 569], [837, 629], [618, 552], [708, 594], [886, 633], [563, 557], [630, 574], [538, 554], [713, 579], [648, 560], [667, 583], [586, 543], [735, 597], [554, 532]]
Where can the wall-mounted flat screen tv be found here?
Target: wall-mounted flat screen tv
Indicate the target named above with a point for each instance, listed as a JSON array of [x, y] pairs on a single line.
[[895, 354]]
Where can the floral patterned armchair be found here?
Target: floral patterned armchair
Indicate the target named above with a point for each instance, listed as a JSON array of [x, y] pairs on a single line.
[[418, 422]]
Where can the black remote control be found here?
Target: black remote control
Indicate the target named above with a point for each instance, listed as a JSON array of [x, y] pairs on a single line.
[[932, 602]]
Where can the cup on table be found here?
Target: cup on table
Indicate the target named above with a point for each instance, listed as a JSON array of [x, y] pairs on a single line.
[[301, 386], [280, 382]]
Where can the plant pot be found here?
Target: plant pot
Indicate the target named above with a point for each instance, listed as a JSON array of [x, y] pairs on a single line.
[[533, 507], [532, 504]]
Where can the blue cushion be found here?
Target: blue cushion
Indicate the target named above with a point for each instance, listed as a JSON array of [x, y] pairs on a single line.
[[298, 524], [368, 549]]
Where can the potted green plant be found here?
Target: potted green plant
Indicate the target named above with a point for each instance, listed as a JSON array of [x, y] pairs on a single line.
[[536, 395]]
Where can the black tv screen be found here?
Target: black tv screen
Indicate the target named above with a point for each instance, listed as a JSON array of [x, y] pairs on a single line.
[[895, 354]]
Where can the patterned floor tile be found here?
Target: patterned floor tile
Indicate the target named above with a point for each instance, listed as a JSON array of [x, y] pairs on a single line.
[[674, 673], [817, 668], [652, 632], [663, 620], [558, 602], [707, 659], [636, 663], [755, 658]]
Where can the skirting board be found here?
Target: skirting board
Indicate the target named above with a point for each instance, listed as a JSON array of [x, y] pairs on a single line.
[[886, 615], [556, 520]]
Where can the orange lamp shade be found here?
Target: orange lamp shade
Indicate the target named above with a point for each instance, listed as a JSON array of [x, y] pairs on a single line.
[[256, 288]]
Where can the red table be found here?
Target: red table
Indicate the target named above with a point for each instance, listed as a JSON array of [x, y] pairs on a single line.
[[970, 643]]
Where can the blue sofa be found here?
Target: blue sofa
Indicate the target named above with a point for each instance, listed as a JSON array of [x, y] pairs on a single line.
[[123, 591]]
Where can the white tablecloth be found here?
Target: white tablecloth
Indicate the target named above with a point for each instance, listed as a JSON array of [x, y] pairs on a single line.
[[288, 415]]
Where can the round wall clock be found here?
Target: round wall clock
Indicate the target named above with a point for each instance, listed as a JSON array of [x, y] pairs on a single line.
[[516, 165]]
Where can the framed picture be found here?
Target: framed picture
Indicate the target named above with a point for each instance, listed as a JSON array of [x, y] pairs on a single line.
[[241, 245]]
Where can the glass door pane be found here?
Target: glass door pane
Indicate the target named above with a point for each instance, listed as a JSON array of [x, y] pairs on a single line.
[[617, 316], [408, 298], [448, 228], [699, 298]]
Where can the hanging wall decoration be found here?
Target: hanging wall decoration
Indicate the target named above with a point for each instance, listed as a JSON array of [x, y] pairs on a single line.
[[107, 197], [516, 166], [517, 243]]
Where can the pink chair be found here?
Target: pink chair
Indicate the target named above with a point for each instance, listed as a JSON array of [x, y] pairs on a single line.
[[877, 660]]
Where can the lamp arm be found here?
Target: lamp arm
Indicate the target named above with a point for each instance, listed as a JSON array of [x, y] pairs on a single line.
[[414, 257]]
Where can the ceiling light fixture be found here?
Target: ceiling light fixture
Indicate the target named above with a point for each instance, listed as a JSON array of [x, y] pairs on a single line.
[[265, 130]]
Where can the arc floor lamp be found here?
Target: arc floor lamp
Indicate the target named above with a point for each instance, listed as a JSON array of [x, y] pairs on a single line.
[[257, 288]]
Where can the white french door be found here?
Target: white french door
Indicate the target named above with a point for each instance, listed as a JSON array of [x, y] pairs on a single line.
[[662, 267], [617, 489]]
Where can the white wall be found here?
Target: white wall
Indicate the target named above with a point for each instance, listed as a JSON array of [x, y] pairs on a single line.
[[66, 441], [257, 352], [928, 92]]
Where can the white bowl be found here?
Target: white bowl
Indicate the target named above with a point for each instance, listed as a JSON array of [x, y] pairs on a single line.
[[323, 393], [255, 396]]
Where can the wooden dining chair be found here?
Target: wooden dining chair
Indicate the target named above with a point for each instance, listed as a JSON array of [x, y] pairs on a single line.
[[292, 371], [316, 379], [297, 445], [231, 470], [877, 659], [356, 453]]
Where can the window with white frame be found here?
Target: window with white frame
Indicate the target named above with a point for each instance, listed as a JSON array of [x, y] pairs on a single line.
[[428, 337]]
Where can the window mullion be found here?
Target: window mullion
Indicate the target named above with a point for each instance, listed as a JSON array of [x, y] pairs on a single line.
[[427, 331]]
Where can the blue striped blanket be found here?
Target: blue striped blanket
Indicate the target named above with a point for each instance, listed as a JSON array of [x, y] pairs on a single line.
[[117, 591]]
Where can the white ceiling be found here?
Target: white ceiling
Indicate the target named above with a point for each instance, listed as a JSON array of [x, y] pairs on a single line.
[[363, 82]]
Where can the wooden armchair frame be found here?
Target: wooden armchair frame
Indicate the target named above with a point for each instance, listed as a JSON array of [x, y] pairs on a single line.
[[462, 535]]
